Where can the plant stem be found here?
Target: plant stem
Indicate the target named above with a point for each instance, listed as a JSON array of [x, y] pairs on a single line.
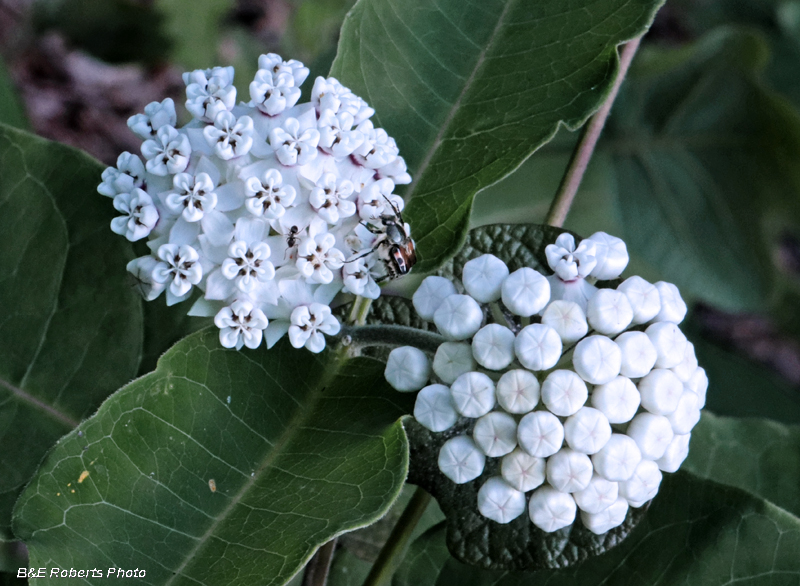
[[316, 573], [390, 335], [359, 311], [393, 550], [585, 147]]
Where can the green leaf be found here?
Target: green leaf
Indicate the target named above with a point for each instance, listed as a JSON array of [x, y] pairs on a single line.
[[193, 26], [222, 467], [696, 171], [696, 532], [469, 92], [11, 110], [425, 559], [71, 331], [757, 455]]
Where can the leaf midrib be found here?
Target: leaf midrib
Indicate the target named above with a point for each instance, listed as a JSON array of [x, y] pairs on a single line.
[[33, 401]]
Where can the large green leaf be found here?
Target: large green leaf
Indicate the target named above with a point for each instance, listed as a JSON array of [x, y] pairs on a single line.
[[696, 171], [71, 326], [221, 467], [696, 532], [757, 455], [470, 90], [193, 28]]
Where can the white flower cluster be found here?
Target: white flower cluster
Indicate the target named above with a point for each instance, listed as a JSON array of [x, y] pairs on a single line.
[[586, 394], [269, 207]]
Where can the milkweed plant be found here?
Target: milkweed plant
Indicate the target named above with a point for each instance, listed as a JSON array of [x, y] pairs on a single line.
[[351, 335]]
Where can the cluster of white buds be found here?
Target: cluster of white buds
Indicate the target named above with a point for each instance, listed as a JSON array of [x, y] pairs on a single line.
[[587, 394], [268, 207]]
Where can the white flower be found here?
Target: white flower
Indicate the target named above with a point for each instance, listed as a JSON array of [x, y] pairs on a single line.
[[309, 322], [609, 312], [495, 434], [452, 359], [597, 360], [192, 197], [642, 485], [248, 263], [316, 257], [652, 433], [168, 152], [578, 291], [434, 408], [618, 400], [638, 354], [669, 342], [563, 392], [686, 414], [407, 369], [329, 94], [540, 434], [336, 134], [673, 307], [567, 319], [660, 390], [500, 502], [569, 471], [209, 92], [473, 394], [358, 279], [228, 136], [611, 255], [618, 458], [525, 292], [643, 297], [493, 347], [179, 266], [240, 325], [274, 63], [396, 171], [378, 149], [568, 261], [483, 277], [156, 115], [274, 89], [607, 519], [430, 295], [293, 145], [551, 510], [675, 454], [597, 496], [461, 460], [458, 317], [522, 471], [128, 174], [377, 200], [139, 215], [587, 430], [538, 347], [141, 270], [267, 195], [330, 198], [517, 391]]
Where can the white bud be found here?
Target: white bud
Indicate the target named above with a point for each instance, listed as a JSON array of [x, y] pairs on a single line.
[[525, 292], [617, 400], [473, 394], [430, 295], [587, 431], [618, 458], [698, 384], [578, 291], [523, 471], [495, 434], [597, 360], [686, 414], [483, 277], [493, 347], [569, 471], [518, 391], [638, 354], [607, 519], [538, 347], [652, 433], [458, 317], [676, 453], [540, 434], [609, 312], [408, 369], [598, 495], [452, 359], [661, 390], [686, 367], [670, 343], [643, 297], [567, 319], [461, 460], [434, 408], [642, 485], [563, 392], [500, 502], [611, 254], [551, 510], [673, 307]]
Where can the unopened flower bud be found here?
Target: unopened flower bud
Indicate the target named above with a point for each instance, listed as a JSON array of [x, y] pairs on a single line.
[[493, 347], [434, 408], [652, 434], [673, 307], [597, 360], [461, 460], [408, 369], [638, 354], [676, 453], [642, 485], [452, 359], [602, 522], [523, 471], [698, 384], [643, 297], [483, 277], [669, 342], [569, 471], [686, 367], [538, 347], [500, 502], [598, 495], [458, 317], [618, 400], [495, 434], [611, 254], [686, 414], [567, 319], [661, 390], [551, 510], [540, 434], [525, 292], [518, 391], [473, 394], [587, 431], [618, 458], [563, 392], [430, 295], [609, 312]]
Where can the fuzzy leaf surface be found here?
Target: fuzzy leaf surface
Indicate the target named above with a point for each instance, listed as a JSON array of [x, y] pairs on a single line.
[[470, 89], [71, 326], [222, 467]]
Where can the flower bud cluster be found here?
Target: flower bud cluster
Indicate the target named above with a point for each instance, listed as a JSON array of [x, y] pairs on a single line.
[[586, 394], [269, 207]]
